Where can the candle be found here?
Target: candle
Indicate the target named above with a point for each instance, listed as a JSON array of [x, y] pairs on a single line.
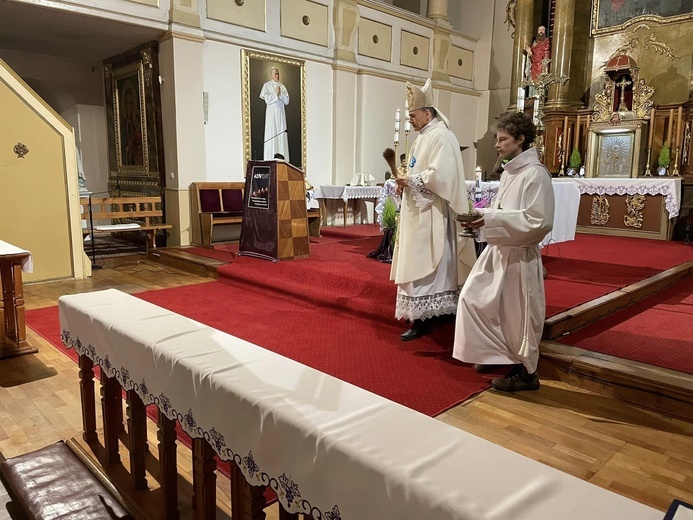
[[535, 114], [678, 127], [567, 145], [477, 173], [577, 133], [522, 72], [407, 125], [651, 129], [397, 136], [397, 121], [565, 129], [671, 123], [520, 99]]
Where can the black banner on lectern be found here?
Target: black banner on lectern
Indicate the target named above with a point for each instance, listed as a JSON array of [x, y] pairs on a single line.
[[259, 187], [259, 229]]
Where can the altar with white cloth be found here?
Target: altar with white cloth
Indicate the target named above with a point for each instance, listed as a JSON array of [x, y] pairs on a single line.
[[644, 207], [567, 200], [13, 261], [328, 448], [327, 194]]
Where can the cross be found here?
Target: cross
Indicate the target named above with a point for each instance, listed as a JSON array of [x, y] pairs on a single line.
[[622, 85]]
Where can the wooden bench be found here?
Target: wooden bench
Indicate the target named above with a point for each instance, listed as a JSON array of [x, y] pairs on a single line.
[[221, 203], [135, 213], [55, 482], [217, 203]]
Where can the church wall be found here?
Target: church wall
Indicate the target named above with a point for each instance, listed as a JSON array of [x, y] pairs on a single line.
[[89, 124]]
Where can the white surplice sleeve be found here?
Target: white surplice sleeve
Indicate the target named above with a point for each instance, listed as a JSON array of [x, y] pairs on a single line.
[[526, 226]]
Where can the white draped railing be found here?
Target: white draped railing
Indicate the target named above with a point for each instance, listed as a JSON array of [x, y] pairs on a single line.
[[330, 450]]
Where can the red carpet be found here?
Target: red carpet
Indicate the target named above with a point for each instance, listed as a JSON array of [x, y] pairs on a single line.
[[591, 266], [333, 312], [657, 330]]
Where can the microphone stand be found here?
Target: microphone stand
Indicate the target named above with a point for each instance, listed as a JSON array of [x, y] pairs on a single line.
[[285, 131]]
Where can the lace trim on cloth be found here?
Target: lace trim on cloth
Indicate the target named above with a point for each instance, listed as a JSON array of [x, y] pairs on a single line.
[[671, 203], [286, 489], [425, 307], [423, 197]]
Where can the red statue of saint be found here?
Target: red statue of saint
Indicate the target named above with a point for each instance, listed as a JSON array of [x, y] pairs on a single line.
[[540, 49]]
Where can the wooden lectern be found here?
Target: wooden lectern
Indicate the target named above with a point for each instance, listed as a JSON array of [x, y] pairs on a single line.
[[275, 221]]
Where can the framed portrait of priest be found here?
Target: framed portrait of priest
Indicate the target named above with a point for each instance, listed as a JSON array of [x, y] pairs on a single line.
[[609, 16], [274, 112]]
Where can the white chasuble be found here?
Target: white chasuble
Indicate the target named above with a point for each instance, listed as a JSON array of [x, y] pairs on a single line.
[[275, 120], [500, 316], [428, 264]]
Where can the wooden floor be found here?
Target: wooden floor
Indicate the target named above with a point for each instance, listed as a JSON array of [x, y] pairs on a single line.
[[637, 453]]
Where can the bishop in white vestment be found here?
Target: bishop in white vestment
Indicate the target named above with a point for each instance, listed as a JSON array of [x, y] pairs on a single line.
[[276, 97], [500, 317], [428, 266]]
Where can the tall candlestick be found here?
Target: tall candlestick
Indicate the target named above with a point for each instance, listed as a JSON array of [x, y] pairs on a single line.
[[565, 130], [522, 72], [678, 127], [535, 112], [407, 125], [397, 120], [650, 137], [671, 123], [577, 133], [397, 136]]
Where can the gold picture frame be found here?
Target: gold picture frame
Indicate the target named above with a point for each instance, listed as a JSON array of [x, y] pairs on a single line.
[[256, 67], [607, 19], [130, 120]]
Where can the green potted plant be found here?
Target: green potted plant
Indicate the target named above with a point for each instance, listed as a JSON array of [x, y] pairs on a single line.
[[664, 159], [389, 225], [574, 162]]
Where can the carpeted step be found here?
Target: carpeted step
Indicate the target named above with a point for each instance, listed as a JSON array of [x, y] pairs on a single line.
[[657, 330]]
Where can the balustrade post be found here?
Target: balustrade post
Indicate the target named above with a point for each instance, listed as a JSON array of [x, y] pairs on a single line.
[[110, 402], [137, 427], [204, 481], [168, 467], [247, 502], [88, 398]]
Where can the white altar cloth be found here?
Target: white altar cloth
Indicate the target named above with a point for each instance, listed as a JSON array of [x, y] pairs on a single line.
[[567, 198], [668, 187], [347, 192], [9, 249], [326, 446]]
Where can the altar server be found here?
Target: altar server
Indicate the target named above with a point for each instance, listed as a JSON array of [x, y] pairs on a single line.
[[500, 316]]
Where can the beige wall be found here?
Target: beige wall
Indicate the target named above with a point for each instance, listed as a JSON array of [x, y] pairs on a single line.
[[39, 210]]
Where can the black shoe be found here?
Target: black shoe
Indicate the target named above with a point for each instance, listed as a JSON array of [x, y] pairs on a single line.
[[516, 381], [418, 328]]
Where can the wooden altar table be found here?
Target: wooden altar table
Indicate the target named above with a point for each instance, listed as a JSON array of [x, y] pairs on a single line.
[[13, 261], [345, 194], [329, 449], [644, 207]]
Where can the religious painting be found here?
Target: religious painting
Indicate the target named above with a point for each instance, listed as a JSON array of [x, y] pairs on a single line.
[[274, 113], [609, 16], [129, 120], [615, 154]]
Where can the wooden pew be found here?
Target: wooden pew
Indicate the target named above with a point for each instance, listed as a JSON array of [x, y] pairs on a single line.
[[216, 203], [221, 203], [141, 213]]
